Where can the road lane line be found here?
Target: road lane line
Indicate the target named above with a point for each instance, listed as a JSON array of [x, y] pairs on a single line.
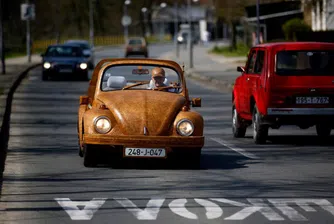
[[236, 149]]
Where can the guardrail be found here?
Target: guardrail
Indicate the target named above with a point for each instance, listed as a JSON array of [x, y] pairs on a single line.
[[41, 45]]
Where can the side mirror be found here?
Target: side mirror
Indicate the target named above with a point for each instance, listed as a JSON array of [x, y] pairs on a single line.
[[196, 102], [84, 100], [241, 69]]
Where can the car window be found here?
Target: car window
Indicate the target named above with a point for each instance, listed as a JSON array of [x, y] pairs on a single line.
[[63, 51], [135, 42], [259, 62], [251, 62], [134, 77], [305, 63]]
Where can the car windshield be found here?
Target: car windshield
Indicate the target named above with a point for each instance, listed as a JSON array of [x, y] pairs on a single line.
[[135, 42], [305, 63], [63, 51], [139, 77]]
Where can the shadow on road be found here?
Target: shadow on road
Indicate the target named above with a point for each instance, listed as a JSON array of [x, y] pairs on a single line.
[[4, 133]]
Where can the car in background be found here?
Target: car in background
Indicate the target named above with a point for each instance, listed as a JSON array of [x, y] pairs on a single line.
[[131, 118], [87, 50], [64, 60], [287, 83], [136, 46]]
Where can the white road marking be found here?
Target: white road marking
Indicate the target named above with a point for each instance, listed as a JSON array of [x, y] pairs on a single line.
[[149, 213], [213, 210], [291, 213], [71, 207], [236, 149], [178, 207], [257, 205]]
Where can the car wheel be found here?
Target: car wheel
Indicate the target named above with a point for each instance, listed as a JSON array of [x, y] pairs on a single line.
[[90, 159], [260, 131], [146, 55], [238, 128], [323, 130]]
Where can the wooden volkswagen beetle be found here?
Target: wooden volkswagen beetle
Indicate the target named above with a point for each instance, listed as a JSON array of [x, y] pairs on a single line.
[[139, 108]]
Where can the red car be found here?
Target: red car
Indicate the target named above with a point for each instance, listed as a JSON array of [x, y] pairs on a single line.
[[287, 83]]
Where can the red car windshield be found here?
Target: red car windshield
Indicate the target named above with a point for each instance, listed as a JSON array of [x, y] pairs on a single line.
[[305, 63]]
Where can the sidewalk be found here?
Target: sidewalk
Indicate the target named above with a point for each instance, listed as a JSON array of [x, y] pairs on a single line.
[[14, 67], [218, 70]]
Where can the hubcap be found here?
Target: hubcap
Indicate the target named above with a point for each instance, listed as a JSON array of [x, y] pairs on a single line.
[[255, 125], [235, 118]]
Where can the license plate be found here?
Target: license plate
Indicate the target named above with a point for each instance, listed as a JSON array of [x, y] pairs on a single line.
[[145, 152], [65, 70], [312, 100], [136, 49]]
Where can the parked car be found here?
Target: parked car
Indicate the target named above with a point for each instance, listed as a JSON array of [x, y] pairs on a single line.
[[87, 51], [125, 113], [67, 60], [136, 46], [289, 83]]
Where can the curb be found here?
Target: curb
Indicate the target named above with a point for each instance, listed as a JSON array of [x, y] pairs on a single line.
[[4, 132]]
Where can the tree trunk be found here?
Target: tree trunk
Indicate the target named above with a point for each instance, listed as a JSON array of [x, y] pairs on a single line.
[[234, 35]]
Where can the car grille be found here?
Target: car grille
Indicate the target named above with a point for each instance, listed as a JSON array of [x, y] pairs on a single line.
[[64, 66]]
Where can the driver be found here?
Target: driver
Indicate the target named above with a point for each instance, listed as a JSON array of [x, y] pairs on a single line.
[[158, 77]]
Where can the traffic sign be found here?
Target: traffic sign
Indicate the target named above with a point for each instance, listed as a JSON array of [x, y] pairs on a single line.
[[27, 11], [126, 20]]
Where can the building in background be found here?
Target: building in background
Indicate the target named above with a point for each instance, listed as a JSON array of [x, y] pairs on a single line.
[[319, 14]]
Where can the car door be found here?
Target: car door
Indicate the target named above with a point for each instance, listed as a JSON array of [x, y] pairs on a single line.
[[246, 77], [254, 77]]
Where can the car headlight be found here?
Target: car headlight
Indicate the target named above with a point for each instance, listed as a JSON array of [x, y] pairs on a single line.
[[83, 66], [47, 65], [102, 125], [185, 127], [180, 38]]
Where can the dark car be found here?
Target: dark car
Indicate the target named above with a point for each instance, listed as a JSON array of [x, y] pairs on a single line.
[[64, 60], [87, 50]]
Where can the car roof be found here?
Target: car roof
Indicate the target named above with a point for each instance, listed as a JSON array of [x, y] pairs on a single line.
[[77, 41], [64, 45], [298, 45]]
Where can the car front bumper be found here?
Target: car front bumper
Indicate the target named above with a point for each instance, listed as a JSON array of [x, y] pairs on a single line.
[[145, 141]]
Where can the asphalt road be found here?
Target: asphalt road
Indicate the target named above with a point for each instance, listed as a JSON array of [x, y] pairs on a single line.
[[288, 180]]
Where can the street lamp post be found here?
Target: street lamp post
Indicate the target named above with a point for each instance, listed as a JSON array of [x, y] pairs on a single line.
[[258, 21], [28, 37], [190, 49], [176, 22], [144, 11], [91, 23], [162, 27], [126, 31]]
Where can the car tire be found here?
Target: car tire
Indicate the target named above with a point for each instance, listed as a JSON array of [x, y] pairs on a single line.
[[260, 131], [238, 128], [323, 130], [146, 55], [90, 159]]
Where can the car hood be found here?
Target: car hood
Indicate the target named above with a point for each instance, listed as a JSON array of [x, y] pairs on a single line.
[[136, 110], [64, 60]]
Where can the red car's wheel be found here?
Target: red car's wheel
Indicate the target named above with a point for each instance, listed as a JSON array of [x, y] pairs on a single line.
[[238, 128]]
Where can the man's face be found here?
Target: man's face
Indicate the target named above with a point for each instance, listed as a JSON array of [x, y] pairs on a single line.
[[159, 81]]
